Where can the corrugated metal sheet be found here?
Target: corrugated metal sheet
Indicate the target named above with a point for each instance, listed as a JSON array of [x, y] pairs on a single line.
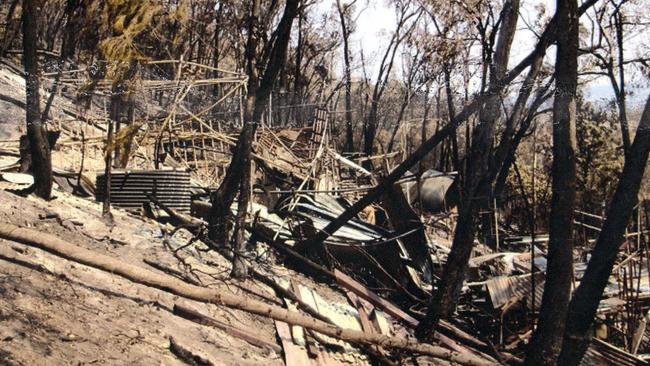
[[321, 210], [602, 353], [503, 289], [129, 188]]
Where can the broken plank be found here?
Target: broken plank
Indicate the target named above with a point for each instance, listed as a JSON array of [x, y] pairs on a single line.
[[296, 331], [366, 324], [360, 290], [392, 310], [294, 355]]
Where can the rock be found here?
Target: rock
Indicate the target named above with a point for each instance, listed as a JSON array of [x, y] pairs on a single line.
[[68, 225], [48, 214]]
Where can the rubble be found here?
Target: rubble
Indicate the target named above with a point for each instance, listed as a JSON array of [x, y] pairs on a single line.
[[384, 264]]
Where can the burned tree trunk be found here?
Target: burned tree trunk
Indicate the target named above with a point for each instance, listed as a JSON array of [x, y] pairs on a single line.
[[11, 28], [245, 147], [584, 304], [223, 198], [238, 174], [349, 137], [451, 111], [216, 55], [547, 340], [73, 9], [121, 103], [619, 88], [385, 67], [40, 149], [108, 165], [444, 300], [485, 189], [508, 160]]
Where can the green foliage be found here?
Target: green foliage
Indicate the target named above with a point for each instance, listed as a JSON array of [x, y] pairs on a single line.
[[599, 157]]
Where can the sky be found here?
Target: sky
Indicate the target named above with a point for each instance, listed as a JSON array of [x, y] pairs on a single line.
[[373, 26], [377, 21]]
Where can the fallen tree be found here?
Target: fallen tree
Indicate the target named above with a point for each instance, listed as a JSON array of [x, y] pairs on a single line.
[[175, 286]]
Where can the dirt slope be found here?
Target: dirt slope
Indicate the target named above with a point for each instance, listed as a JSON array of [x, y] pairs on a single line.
[[64, 313]]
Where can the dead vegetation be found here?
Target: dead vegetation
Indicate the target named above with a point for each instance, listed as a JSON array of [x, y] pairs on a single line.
[[193, 211]]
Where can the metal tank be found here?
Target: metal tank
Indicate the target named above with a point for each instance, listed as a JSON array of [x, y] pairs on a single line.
[[437, 190]]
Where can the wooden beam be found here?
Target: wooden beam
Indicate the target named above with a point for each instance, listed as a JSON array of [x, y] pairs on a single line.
[[360, 290]]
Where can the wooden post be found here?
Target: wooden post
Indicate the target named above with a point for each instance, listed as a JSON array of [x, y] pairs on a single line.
[[496, 225], [108, 161], [638, 226], [533, 224], [270, 122]]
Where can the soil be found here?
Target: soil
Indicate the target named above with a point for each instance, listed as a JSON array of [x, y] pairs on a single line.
[[64, 313]]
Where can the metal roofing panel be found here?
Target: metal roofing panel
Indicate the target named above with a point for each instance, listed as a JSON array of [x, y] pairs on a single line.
[[503, 289], [602, 353]]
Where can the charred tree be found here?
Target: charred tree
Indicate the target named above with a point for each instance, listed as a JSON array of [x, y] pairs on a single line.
[[547, 340], [507, 143], [40, 149], [122, 109], [11, 28], [584, 304], [216, 53], [108, 165], [343, 11], [444, 300], [410, 89], [73, 10], [451, 111], [223, 198], [620, 89], [504, 165], [237, 177]]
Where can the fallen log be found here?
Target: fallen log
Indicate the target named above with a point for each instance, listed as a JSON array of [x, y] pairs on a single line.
[[175, 286], [195, 316], [358, 289]]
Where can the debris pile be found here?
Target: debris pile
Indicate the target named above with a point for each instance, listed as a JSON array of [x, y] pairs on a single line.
[[384, 264]]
